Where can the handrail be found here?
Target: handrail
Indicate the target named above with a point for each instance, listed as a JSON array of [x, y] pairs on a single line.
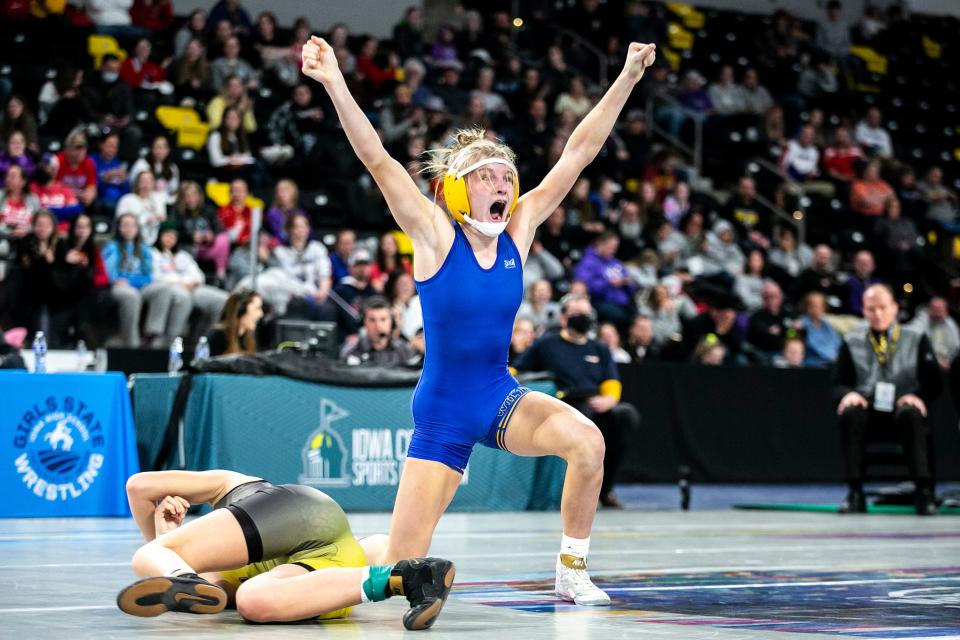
[[696, 151], [799, 223], [602, 59], [696, 154]]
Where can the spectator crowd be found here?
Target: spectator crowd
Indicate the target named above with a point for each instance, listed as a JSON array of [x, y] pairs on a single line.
[[116, 231]]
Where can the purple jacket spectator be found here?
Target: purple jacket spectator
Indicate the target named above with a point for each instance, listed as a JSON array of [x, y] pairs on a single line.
[[276, 222], [698, 101], [598, 271], [7, 161]]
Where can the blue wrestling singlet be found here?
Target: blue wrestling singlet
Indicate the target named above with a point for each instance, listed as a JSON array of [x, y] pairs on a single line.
[[466, 394]]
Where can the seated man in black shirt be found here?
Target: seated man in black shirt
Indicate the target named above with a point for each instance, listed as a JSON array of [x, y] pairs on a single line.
[[768, 325], [587, 379], [378, 346], [886, 377]]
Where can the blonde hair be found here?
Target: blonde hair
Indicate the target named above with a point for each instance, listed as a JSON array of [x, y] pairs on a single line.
[[470, 145]]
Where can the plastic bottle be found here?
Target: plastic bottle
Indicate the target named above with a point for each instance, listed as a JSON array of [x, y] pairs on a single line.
[[83, 356], [176, 356], [202, 352], [40, 353]]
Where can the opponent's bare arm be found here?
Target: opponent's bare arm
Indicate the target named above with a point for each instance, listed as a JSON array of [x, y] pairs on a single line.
[[585, 142], [145, 490], [418, 216]]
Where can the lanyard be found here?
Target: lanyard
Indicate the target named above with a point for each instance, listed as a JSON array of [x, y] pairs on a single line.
[[884, 348]]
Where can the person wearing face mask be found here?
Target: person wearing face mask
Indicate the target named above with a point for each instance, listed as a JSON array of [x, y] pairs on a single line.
[[378, 345], [587, 379], [470, 280], [105, 98]]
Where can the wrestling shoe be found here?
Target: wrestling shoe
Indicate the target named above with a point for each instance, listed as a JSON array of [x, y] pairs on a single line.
[[574, 584], [426, 583], [187, 592]]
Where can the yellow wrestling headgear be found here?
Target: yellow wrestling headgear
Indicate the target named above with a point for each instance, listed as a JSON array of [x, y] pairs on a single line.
[[455, 190]]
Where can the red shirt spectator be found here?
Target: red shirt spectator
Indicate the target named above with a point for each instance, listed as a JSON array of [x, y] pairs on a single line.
[[75, 170], [236, 219], [18, 10], [17, 215], [839, 159], [236, 216], [373, 75], [138, 69], [152, 14]]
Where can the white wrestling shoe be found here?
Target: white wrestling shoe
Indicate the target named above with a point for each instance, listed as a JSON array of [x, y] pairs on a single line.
[[574, 584]]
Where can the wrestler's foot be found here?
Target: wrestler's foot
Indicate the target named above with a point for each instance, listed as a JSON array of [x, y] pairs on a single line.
[[187, 592], [574, 584], [426, 583]]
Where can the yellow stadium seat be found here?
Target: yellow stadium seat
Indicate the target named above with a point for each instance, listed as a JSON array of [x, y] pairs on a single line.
[[404, 244], [99, 46], [932, 48], [191, 130], [876, 63], [671, 56], [219, 194], [679, 37], [692, 19]]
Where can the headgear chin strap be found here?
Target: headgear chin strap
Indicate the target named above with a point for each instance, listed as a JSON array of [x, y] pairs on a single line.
[[458, 204]]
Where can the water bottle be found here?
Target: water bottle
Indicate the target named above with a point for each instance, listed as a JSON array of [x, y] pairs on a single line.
[[83, 356], [176, 356], [40, 353], [202, 352]]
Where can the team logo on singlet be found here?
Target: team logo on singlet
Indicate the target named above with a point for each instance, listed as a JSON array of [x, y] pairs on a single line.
[[61, 449], [510, 264], [325, 455]]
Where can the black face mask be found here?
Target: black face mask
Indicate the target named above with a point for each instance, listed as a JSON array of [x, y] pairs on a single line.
[[581, 322]]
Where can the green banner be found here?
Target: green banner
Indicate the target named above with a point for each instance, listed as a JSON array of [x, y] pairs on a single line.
[[348, 442]]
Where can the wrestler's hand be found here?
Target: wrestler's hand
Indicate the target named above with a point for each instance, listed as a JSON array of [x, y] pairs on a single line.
[[639, 57], [169, 514], [319, 61]]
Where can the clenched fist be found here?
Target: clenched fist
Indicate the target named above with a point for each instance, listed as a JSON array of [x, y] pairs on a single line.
[[639, 57], [319, 61]]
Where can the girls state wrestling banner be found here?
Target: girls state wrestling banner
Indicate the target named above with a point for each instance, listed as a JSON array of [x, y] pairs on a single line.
[[68, 444], [348, 442]]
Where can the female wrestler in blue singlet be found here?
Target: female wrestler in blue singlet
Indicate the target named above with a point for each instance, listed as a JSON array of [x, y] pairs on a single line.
[[469, 277]]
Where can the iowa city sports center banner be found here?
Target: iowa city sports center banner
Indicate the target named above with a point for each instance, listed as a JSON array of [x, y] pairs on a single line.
[[68, 444], [347, 442]]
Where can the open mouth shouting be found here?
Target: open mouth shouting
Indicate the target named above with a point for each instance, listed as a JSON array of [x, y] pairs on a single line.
[[497, 210]]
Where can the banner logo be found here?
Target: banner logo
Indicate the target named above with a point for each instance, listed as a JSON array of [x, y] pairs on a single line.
[[325, 455], [61, 449], [361, 457]]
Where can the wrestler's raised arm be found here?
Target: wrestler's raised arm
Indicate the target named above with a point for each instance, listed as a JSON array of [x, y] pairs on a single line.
[[418, 216], [585, 142]]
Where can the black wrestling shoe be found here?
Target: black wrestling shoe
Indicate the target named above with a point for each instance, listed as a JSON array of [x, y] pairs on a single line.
[[187, 592], [426, 583], [855, 502]]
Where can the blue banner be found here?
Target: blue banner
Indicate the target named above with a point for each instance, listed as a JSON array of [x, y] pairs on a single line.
[[68, 445]]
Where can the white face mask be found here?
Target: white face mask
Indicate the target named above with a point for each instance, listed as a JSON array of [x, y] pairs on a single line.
[[489, 229]]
